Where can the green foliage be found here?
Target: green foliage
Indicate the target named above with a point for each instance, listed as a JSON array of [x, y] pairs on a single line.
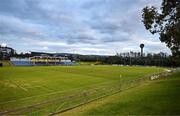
[[165, 22]]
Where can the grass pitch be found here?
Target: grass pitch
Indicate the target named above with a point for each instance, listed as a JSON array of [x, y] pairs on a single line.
[[22, 86], [158, 97]]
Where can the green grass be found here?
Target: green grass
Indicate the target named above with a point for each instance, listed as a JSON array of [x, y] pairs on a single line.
[[158, 97], [88, 63], [22, 86]]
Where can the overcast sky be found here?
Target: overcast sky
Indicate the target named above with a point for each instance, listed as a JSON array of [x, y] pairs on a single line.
[[76, 26]]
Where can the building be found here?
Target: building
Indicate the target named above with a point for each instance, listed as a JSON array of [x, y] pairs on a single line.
[[47, 60], [6, 52], [41, 58]]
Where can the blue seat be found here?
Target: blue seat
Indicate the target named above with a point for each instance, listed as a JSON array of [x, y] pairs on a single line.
[[21, 63]]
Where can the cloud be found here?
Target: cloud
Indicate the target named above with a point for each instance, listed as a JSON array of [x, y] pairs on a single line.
[[45, 48], [3, 44], [86, 26], [15, 26]]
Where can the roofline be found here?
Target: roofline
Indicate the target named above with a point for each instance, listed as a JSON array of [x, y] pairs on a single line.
[[7, 47]]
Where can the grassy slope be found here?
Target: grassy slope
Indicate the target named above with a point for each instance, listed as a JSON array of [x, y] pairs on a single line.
[[156, 97], [21, 86], [6, 63]]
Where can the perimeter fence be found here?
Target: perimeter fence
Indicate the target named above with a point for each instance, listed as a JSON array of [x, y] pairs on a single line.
[[80, 97]]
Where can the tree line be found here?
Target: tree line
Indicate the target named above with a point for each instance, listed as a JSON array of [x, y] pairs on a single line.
[[133, 58]]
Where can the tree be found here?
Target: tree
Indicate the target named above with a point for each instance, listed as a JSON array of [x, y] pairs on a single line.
[[166, 23]]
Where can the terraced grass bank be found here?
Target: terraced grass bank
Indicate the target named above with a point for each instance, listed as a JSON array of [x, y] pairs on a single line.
[[6, 63], [31, 86], [158, 97]]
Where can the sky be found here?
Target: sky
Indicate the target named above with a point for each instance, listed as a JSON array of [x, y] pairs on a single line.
[[102, 27]]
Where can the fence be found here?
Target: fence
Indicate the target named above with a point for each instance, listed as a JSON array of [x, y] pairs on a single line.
[[78, 98]]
